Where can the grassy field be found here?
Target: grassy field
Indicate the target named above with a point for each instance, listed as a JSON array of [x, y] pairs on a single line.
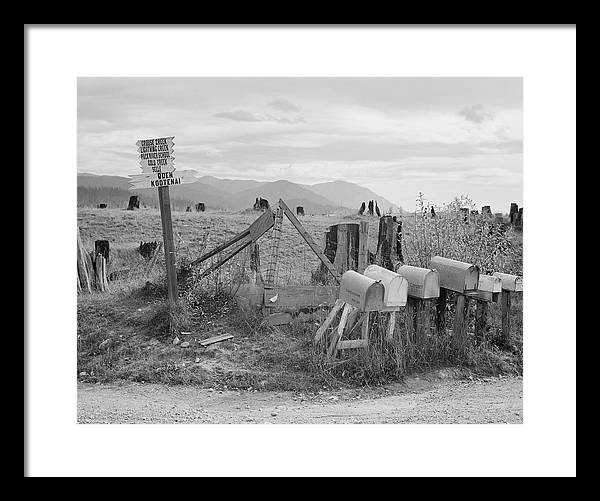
[[127, 334]]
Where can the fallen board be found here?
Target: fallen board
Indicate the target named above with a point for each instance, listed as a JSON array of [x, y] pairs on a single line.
[[215, 339], [295, 297]]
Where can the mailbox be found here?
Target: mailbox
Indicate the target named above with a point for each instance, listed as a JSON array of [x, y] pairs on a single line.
[[423, 283], [395, 286], [488, 288], [511, 283], [362, 292], [455, 275]]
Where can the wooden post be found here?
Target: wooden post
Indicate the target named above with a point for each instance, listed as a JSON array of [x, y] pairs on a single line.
[[410, 319], [459, 328], [505, 303], [84, 266], [101, 278], [341, 252], [440, 319], [255, 264], [481, 321], [387, 241], [164, 201], [275, 237], [363, 241], [422, 321]]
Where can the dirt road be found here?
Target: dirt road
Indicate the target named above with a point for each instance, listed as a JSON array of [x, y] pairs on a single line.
[[418, 400]]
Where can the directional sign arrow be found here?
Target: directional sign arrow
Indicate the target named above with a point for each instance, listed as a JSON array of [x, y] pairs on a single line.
[[141, 181]]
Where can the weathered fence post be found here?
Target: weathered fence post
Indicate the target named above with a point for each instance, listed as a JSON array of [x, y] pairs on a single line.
[[506, 304], [459, 328], [363, 248], [84, 266], [255, 264], [275, 237], [441, 306], [481, 321]]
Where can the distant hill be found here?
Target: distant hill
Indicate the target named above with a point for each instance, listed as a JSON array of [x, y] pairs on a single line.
[[288, 191], [229, 185], [233, 194], [350, 195]]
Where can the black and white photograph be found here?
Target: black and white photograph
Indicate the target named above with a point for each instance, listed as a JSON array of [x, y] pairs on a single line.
[[260, 251]]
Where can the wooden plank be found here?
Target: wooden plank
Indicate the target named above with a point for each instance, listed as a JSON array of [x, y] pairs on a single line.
[[250, 294], [308, 239], [282, 318], [340, 330], [327, 322], [215, 339], [357, 324], [222, 247], [363, 253], [84, 265], [263, 224], [348, 344], [391, 326], [244, 243], [275, 238], [364, 333], [301, 296]]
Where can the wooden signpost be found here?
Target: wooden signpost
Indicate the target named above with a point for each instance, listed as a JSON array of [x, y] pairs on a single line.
[[158, 171]]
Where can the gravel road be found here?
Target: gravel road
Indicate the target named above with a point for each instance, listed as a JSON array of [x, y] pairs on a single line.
[[418, 400]]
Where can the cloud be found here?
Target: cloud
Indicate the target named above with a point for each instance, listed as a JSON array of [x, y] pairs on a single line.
[[247, 116], [477, 113], [283, 105]]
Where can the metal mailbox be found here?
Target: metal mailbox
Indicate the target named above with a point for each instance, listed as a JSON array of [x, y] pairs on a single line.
[[489, 288], [362, 292], [511, 283], [395, 285], [455, 275], [423, 283]]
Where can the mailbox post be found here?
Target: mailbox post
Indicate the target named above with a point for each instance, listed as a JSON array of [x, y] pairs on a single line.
[[488, 291], [462, 279], [511, 284], [378, 290], [423, 289]]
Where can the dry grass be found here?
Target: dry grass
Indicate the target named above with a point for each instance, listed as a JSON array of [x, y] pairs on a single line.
[[137, 329]]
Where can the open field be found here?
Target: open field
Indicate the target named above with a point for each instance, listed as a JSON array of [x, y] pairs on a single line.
[[127, 334]]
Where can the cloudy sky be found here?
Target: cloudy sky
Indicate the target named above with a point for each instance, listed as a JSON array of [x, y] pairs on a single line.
[[397, 136]]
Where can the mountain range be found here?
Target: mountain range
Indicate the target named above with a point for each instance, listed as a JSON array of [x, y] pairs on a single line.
[[233, 194]]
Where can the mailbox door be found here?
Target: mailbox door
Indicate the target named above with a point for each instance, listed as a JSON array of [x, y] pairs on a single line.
[[361, 292]]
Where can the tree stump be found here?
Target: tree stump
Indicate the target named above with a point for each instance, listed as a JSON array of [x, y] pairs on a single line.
[[300, 211], [513, 214], [100, 266], [486, 211], [389, 243], [134, 202], [102, 247]]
